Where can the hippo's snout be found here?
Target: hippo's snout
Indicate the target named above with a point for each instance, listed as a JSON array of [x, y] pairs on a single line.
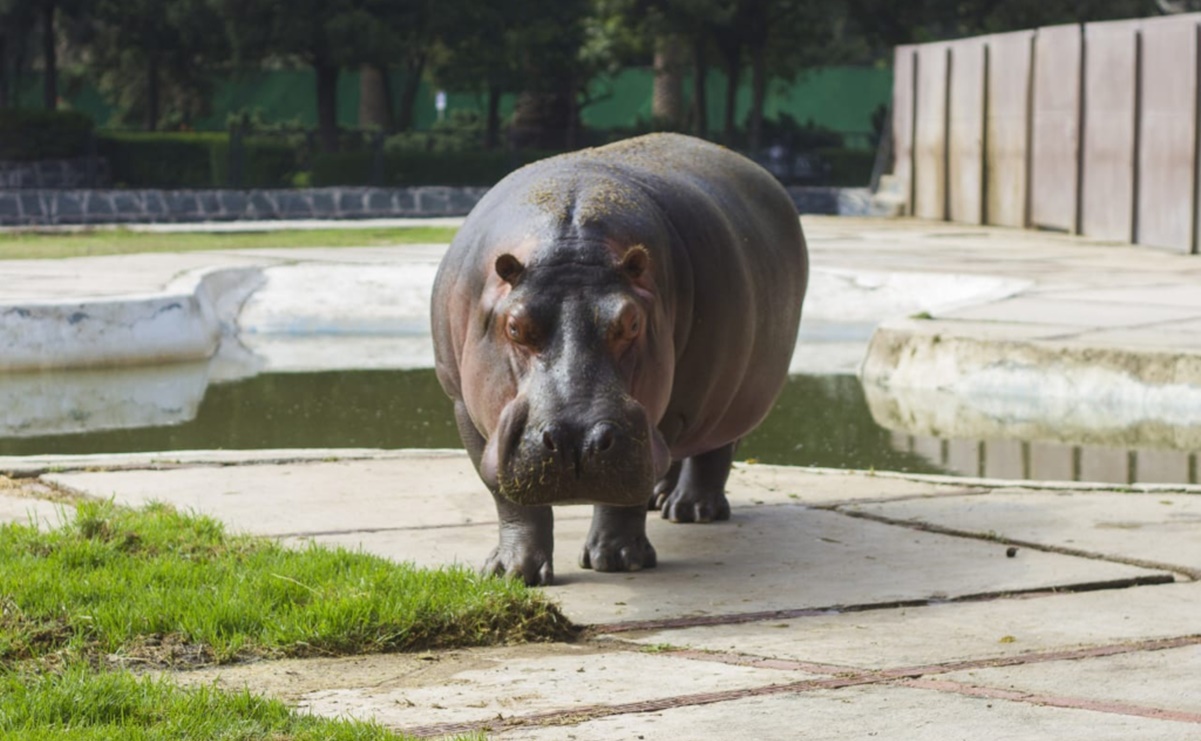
[[610, 460], [583, 449]]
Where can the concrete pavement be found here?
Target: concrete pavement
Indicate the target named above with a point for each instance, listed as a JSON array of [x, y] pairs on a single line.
[[834, 604]]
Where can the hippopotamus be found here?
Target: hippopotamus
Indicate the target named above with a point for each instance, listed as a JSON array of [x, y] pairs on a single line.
[[609, 323]]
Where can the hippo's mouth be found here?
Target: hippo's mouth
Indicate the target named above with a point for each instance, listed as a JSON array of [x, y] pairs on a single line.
[[615, 460]]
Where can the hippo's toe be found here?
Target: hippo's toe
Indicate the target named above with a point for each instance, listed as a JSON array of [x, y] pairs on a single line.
[[616, 553], [533, 567], [686, 505]]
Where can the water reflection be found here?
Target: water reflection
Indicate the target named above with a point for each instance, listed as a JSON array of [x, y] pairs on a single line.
[[1006, 438], [819, 420]]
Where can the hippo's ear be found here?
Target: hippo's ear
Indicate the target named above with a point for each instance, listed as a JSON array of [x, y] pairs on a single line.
[[509, 268], [635, 262]]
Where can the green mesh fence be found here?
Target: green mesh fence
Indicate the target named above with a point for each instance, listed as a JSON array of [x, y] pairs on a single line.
[[838, 98]]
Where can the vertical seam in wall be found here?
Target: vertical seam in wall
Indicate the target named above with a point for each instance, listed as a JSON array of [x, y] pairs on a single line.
[[1028, 184], [1136, 157], [1196, 194], [946, 136], [1081, 92], [913, 70], [984, 169]]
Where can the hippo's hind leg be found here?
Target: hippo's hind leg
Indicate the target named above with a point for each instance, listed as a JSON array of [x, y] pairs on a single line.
[[527, 534], [696, 490], [617, 540]]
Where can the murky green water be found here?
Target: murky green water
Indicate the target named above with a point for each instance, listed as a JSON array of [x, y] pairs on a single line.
[[818, 421]]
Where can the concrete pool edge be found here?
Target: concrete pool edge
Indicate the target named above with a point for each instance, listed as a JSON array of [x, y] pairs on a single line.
[[186, 321], [1004, 379], [24, 467]]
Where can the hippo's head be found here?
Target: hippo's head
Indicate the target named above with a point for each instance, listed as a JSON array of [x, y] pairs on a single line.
[[582, 344]]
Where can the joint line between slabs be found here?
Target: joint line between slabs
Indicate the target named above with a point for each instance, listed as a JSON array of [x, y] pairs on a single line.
[[1190, 573], [755, 617], [1055, 701], [906, 676]]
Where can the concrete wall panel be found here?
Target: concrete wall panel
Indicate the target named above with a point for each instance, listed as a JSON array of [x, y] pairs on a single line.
[[1168, 124], [1055, 127], [1007, 140], [930, 136], [1107, 156], [965, 132], [902, 121]]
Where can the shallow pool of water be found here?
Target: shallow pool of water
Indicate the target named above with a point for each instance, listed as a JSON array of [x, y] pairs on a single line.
[[819, 420]]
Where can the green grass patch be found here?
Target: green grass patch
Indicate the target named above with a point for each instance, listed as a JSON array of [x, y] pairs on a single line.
[[22, 245], [154, 586], [78, 703]]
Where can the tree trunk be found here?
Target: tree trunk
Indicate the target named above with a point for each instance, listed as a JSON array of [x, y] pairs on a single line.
[[408, 95], [667, 100], [3, 72], [152, 88], [375, 98], [50, 59], [700, 101], [733, 71], [327, 105], [758, 98], [492, 124]]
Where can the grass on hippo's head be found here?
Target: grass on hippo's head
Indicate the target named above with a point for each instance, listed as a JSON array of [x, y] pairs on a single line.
[[154, 585], [32, 245], [78, 704]]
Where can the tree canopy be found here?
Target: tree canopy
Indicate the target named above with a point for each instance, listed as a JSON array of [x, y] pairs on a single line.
[[156, 59]]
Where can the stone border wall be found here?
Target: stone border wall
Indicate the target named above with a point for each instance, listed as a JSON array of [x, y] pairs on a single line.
[[82, 207], [80, 172]]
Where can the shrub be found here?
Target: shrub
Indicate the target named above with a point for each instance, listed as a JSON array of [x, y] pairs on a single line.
[[420, 168], [848, 167], [159, 160], [195, 160], [27, 135]]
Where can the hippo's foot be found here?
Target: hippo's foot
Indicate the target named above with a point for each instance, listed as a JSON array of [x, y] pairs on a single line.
[[530, 565], [527, 544], [617, 540], [695, 490]]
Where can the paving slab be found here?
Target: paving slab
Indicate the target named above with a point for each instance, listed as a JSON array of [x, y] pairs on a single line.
[[1036, 310], [768, 557], [25, 510], [479, 685], [762, 483], [1168, 680], [965, 631], [775, 554], [404, 691], [1161, 527], [416, 490], [868, 712], [433, 490]]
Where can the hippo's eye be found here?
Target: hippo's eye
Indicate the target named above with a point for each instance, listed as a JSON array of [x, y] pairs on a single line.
[[517, 330], [628, 326]]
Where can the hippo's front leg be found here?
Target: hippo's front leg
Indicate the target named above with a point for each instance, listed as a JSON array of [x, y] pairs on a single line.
[[527, 543], [527, 534], [617, 540]]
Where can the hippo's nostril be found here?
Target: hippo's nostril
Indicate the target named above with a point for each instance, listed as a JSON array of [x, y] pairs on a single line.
[[548, 441], [601, 438]]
